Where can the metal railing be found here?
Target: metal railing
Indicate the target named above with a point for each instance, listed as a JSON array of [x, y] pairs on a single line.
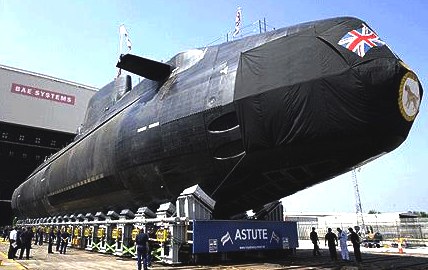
[[416, 229]]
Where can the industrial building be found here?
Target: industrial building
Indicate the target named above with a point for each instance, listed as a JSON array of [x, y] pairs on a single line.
[[39, 115]]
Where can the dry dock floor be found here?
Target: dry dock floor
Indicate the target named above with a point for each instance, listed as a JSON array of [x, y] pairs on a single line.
[[80, 259]]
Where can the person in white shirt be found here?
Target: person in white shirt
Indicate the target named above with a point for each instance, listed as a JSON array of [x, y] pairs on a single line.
[[343, 237], [12, 244]]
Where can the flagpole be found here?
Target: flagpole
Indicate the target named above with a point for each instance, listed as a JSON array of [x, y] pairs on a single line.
[[120, 40], [119, 71]]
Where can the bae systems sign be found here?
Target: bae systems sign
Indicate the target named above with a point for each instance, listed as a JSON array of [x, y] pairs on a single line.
[[42, 94], [224, 236]]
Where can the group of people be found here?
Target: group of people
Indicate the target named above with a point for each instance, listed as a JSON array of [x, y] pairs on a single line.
[[21, 239], [332, 240]]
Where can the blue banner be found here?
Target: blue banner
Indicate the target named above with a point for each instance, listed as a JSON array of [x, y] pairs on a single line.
[[212, 236]]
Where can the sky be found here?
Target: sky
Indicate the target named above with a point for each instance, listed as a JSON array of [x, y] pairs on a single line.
[[78, 40]]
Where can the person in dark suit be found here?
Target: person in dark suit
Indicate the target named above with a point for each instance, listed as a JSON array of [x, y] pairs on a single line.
[[314, 238], [64, 240], [51, 239], [26, 237], [355, 239], [142, 246], [58, 239], [331, 240]]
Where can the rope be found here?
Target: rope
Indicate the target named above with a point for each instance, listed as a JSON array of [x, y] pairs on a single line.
[[227, 176]]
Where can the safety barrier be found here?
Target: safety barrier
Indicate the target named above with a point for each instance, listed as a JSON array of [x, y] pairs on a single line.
[[117, 236], [170, 228]]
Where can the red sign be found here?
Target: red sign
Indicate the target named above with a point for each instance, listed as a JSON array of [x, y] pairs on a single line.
[[43, 94]]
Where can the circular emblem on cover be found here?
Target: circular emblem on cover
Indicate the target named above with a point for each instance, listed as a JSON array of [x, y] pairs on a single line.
[[409, 98]]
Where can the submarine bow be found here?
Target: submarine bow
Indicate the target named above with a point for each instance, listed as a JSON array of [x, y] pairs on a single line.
[[250, 121]]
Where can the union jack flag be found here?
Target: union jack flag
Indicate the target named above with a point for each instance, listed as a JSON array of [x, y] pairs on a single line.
[[361, 40], [238, 22]]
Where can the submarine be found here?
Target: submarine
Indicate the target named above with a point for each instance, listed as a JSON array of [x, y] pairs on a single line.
[[250, 121]]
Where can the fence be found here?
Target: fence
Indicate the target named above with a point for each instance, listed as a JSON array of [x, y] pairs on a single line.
[[409, 228]]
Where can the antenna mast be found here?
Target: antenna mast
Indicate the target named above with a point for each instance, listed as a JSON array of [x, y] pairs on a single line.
[[359, 209]]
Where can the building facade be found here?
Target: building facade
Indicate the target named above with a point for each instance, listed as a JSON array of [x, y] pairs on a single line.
[[39, 115]]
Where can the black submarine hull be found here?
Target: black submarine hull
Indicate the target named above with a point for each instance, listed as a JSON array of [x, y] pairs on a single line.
[[250, 121]]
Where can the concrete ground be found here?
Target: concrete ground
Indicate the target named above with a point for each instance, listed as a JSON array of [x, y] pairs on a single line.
[[73, 259], [80, 259]]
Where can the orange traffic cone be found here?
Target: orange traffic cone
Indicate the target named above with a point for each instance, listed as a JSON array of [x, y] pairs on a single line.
[[400, 248]]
